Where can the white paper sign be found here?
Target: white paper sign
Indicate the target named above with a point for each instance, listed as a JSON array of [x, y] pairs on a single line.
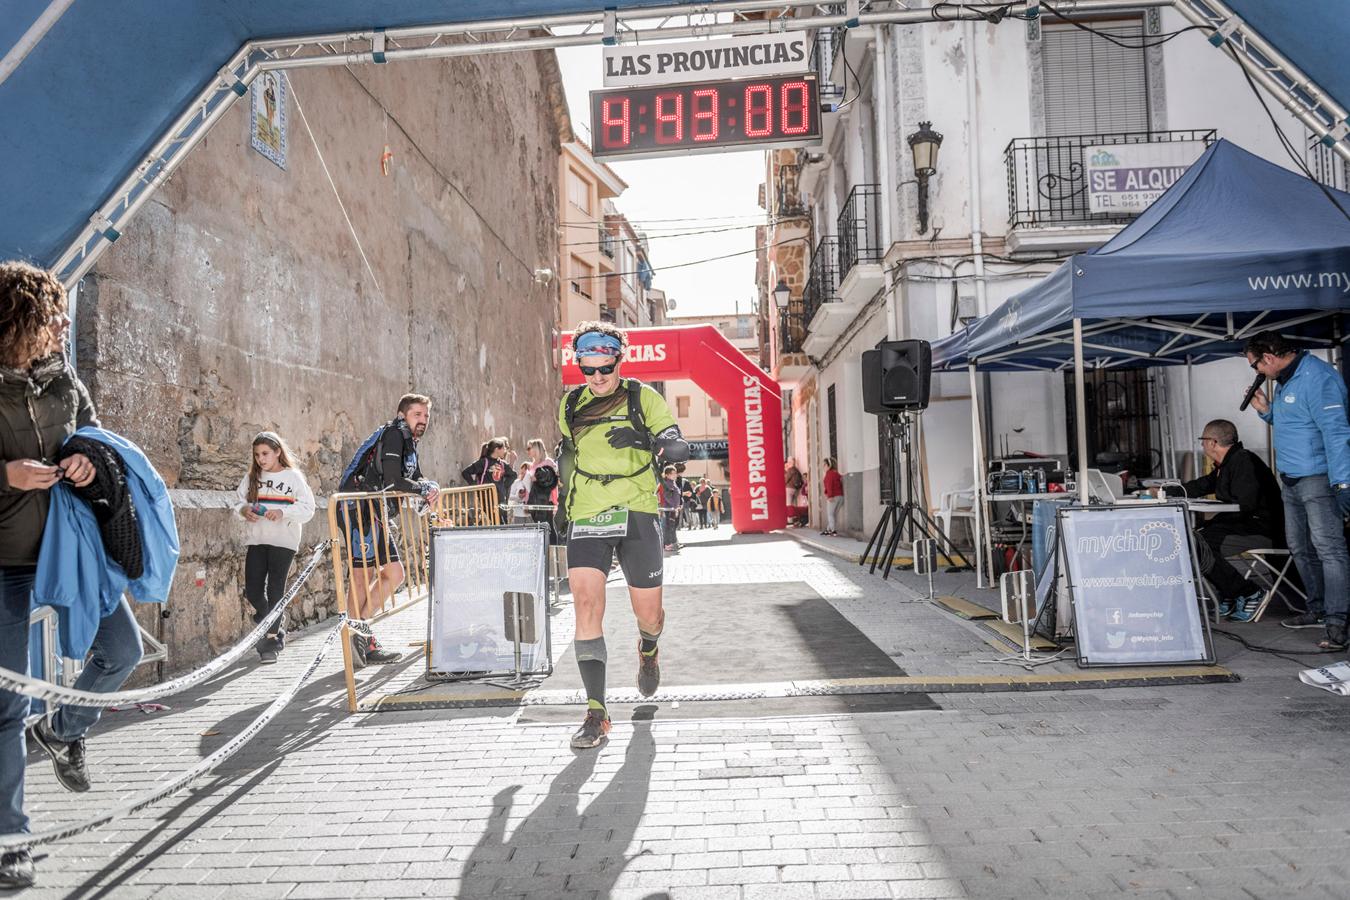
[[1334, 678], [643, 65], [1126, 178]]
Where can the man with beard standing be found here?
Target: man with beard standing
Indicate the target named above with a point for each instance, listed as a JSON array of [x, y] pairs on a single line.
[[386, 461]]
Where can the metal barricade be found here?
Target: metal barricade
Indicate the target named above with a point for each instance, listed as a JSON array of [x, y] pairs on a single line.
[[373, 531], [474, 505]]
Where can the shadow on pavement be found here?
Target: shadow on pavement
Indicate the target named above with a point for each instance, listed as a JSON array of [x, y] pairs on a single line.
[[600, 834], [96, 887]]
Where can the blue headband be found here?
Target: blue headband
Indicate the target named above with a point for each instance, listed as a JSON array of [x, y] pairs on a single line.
[[596, 343]]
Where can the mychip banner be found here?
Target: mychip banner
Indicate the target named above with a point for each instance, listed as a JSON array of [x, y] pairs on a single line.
[[1133, 586], [474, 574]]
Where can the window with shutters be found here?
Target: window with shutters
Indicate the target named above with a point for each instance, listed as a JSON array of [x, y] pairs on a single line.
[[1092, 86], [578, 190], [714, 409], [682, 407], [1094, 92]]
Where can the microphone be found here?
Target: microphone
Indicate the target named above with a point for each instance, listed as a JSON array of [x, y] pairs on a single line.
[[1251, 391]]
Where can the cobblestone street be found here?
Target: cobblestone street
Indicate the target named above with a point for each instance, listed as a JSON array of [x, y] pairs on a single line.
[[1214, 790]]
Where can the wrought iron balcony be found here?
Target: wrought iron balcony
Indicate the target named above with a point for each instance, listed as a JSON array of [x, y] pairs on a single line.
[[1047, 182], [606, 242], [824, 48], [859, 234], [822, 284], [792, 328]]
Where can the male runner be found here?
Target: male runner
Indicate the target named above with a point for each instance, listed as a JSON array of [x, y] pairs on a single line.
[[611, 503]]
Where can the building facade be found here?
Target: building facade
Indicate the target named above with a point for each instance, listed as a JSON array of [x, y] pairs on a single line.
[[587, 246], [872, 251]]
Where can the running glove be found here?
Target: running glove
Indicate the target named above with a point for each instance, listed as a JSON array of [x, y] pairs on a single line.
[[628, 437]]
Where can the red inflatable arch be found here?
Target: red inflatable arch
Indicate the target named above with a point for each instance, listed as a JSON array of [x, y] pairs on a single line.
[[752, 400]]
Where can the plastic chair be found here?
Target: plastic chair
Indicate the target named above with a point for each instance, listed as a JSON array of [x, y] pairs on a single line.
[[959, 504]]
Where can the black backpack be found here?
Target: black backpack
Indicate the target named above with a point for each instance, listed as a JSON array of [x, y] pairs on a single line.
[[567, 449]]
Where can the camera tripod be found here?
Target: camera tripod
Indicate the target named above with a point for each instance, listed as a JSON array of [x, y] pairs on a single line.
[[904, 519]]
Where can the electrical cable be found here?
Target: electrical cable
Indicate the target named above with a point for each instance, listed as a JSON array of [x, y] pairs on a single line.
[[692, 262], [1273, 651], [636, 222], [1113, 39], [678, 234], [1284, 140]]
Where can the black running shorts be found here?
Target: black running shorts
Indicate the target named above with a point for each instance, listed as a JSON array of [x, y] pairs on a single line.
[[640, 551]]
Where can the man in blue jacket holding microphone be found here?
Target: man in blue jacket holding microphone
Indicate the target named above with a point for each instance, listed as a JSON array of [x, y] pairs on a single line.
[[1312, 454]]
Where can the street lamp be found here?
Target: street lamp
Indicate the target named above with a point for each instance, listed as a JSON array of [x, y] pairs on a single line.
[[923, 145], [782, 294]]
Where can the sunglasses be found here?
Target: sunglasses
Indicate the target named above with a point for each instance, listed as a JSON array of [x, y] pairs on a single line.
[[603, 370]]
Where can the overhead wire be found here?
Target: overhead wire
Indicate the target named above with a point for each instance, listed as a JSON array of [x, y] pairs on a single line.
[[680, 234], [1279, 131], [692, 262]]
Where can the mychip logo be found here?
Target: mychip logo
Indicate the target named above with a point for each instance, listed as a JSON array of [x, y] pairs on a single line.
[[1159, 542]]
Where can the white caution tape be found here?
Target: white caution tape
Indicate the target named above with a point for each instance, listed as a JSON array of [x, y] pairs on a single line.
[[53, 693], [154, 795]]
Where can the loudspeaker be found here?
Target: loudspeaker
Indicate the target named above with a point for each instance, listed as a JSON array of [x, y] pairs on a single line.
[[895, 377]]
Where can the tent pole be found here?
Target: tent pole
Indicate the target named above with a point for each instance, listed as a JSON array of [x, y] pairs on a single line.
[[977, 448], [1190, 414], [1080, 406]]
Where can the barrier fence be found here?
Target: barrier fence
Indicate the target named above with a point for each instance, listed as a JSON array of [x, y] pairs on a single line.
[[369, 533], [381, 544]]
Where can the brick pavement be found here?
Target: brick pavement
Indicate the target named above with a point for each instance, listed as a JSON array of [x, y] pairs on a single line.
[[1232, 790]]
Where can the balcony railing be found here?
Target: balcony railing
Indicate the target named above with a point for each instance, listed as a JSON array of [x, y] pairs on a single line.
[[823, 50], [792, 329], [822, 284], [1047, 182], [859, 237], [606, 242]]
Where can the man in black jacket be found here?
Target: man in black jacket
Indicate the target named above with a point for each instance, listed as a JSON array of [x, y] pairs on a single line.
[[390, 464], [1241, 477]]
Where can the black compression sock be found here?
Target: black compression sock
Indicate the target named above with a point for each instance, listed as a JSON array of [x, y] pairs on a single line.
[[648, 646], [591, 658]]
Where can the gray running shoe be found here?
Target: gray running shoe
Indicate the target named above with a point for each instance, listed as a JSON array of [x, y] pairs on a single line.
[[67, 757], [649, 671], [593, 730]]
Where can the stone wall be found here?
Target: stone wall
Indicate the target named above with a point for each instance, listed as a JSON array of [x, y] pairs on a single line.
[[239, 300]]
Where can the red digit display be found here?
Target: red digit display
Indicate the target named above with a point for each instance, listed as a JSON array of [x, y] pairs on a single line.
[[615, 130], [758, 110], [705, 114], [669, 118], [783, 111], [795, 108]]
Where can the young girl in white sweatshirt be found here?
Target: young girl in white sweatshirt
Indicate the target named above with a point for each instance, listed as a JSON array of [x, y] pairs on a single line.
[[275, 500]]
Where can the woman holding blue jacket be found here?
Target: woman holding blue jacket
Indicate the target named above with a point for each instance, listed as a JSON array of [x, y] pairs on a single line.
[[42, 403]]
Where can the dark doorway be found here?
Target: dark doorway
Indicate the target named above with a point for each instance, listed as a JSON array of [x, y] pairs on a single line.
[[1122, 421]]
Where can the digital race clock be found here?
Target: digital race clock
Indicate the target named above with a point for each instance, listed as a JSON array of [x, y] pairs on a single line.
[[707, 116]]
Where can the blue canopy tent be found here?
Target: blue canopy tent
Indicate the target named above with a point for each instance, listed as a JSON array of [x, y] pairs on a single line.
[[1236, 246]]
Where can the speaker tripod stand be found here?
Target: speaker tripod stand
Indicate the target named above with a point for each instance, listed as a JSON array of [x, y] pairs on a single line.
[[904, 519]]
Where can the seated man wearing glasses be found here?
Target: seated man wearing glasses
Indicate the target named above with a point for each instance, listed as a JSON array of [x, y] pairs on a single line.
[[1241, 477], [617, 432]]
